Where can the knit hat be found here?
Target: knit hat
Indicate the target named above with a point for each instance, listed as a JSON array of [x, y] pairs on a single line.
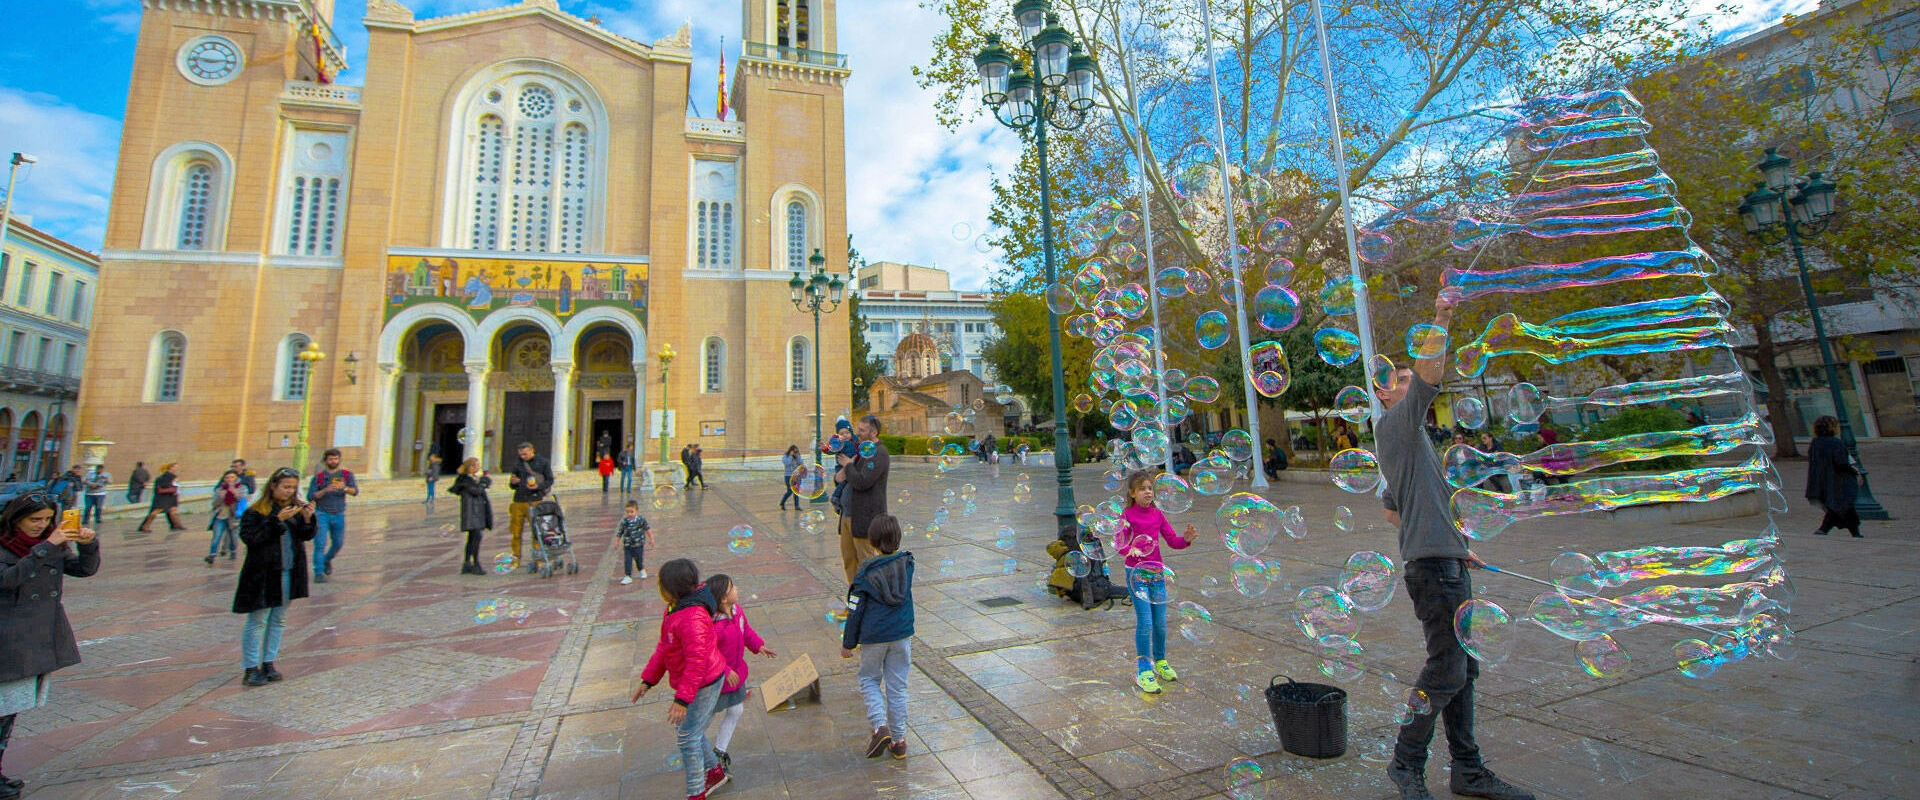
[[842, 424]]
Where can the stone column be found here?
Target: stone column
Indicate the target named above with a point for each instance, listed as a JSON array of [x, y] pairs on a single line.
[[641, 420], [383, 450], [477, 412], [562, 454]]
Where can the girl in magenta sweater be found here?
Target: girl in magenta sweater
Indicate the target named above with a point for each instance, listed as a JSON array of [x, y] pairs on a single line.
[[1142, 526], [688, 658], [734, 637]]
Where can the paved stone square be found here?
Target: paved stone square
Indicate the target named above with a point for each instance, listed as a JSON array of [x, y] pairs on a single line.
[[396, 690]]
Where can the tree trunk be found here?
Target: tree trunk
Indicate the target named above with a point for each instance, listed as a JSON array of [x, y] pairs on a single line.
[[1765, 356]]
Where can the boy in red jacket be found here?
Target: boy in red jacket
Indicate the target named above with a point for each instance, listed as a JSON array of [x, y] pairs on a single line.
[[690, 659]]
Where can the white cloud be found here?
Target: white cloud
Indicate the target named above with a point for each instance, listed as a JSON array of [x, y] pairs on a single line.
[[66, 192], [1746, 18]]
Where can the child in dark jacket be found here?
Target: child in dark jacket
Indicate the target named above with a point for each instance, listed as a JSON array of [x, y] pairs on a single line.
[[689, 657], [841, 443], [635, 537], [880, 624]]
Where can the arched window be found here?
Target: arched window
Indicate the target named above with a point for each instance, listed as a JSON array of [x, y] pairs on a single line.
[[293, 371], [714, 189], [312, 199], [187, 199], [796, 235], [713, 358], [799, 364], [167, 361], [529, 176]]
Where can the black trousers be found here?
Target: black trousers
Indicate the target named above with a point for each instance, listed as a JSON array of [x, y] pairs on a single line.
[[6, 732], [1437, 587], [473, 546], [1848, 519]]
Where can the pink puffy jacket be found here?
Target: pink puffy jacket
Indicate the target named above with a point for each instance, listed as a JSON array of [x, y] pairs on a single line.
[[687, 654], [735, 637]]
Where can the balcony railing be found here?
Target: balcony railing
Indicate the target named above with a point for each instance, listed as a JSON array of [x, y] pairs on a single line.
[[798, 55], [320, 94], [714, 127], [33, 381]]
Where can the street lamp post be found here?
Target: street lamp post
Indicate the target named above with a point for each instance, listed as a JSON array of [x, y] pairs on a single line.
[[6, 205], [312, 357], [811, 294], [1057, 93], [665, 355], [1782, 207]]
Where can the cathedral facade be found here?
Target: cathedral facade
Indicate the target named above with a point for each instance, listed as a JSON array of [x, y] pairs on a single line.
[[493, 239]]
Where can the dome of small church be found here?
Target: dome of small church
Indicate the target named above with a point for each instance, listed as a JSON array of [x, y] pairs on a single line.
[[917, 356]]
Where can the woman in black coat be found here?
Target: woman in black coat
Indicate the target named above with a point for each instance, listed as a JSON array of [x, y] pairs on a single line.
[[274, 574], [35, 637], [1832, 482], [476, 511], [166, 500]]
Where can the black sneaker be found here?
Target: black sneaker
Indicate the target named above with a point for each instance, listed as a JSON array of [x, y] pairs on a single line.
[[1483, 783], [320, 577], [273, 675], [726, 761], [882, 738], [254, 677], [1411, 782], [329, 569]]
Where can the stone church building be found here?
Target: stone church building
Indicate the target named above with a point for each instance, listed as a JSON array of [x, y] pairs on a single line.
[[492, 238]]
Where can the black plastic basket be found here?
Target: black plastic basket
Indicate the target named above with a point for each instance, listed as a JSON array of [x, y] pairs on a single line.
[[1311, 718]]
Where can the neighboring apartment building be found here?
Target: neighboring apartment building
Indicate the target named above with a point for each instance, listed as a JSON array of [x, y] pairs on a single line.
[[47, 288], [1879, 326], [900, 300]]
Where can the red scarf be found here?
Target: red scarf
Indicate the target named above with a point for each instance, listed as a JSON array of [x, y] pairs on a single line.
[[19, 545]]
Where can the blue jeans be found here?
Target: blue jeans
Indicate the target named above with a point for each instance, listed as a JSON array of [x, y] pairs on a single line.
[[94, 504], [223, 531], [883, 683], [626, 481], [258, 646], [1149, 617], [332, 531], [696, 753]]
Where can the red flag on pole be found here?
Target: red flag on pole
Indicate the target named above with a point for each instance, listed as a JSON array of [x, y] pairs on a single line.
[[721, 90]]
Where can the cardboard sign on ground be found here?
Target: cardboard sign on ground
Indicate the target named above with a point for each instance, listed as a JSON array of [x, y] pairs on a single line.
[[787, 682]]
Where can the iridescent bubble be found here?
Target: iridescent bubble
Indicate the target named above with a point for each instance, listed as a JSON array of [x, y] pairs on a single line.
[[1245, 780], [1696, 658], [1251, 576], [1485, 631], [1203, 389], [1354, 470], [1003, 538], [1276, 308], [1687, 262], [815, 520], [740, 539], [1294, 523], [1574, 572], [504, 563], [665, 496], [1142, 577], [1132, 300], [1077, 563], [1341, 660], [1279, 272], [1083, 403], [1248, 523], [1337, 347], [957, 424], [1470, 413], [1199, 282], [1212, 476], [812, 481], [1336, 296], [1060, 298], [1325, 615], [1126, 223], [1194, 622], [1343, 519], [1274, 235], [1238, 444], [868, 449], [962, 231], [1368, 580], [1375, 246], [1171, 282], [1271, 372], [1211, 330], [1380, 372], [1602, 657], [1426, 341], [486, 612], [1353, 404], [1172, 494]]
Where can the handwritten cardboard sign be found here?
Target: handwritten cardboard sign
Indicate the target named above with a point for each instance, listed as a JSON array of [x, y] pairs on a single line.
[[791, 680]]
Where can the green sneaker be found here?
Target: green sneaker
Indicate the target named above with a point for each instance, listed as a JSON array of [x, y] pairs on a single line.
[[1165, 670], [1146, 682]]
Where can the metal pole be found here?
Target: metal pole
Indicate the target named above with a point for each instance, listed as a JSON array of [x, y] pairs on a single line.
[[1864, 504], [818, 434], [1259, 476], [1063, 511], [1364, 317], [1153, 291], [6, 206], [666, 429], [306, 412]]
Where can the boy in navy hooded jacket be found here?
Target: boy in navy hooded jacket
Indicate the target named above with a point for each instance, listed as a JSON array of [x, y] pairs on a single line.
[[880, 624]]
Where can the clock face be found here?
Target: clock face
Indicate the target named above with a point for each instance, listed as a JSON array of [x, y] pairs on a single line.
[[210, 60]]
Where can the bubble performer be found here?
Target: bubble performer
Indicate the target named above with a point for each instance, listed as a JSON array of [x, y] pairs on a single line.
[[1436, 559]]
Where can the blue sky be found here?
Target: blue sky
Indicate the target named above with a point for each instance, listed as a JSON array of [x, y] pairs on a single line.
[[916, 192], [911, 184]]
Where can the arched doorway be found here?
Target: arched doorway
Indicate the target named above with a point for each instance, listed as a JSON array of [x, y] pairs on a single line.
[[432, 399], [53, 448], [604, 391], [6, 432], [522, 355], [29, 438]]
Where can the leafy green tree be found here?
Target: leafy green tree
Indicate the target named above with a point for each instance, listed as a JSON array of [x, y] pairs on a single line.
[[867, 368]]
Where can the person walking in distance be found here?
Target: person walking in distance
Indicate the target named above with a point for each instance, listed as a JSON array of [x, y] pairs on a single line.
[[476, 511], [605, 468], [239, 467], [790, 466], [137, 481], [166, 499], [866, 496], [1832, 482], [328, 492], [1437, 564], [626, 465], [531, 480], [696, 466], [96, 498]]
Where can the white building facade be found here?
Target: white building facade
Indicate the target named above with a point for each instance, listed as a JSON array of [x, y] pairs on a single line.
[[47, 288]]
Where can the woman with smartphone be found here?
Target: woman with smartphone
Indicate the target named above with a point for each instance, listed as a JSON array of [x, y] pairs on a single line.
[[35, 637], [274, 574]]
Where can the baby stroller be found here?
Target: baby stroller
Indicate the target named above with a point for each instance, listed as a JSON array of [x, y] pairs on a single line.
[[552, 551]]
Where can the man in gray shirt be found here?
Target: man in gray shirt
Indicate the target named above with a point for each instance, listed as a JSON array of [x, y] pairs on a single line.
[[1417, 499]]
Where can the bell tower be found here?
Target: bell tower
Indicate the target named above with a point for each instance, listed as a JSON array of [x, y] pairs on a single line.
[[794, 24]]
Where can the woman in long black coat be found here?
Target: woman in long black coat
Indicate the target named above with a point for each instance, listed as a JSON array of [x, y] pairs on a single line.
[[35, 637], [1832, 482], [275, 529], [476, 511]]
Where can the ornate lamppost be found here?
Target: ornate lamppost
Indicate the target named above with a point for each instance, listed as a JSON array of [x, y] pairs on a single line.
[[1057, 94], [818, 294], [1785, 208], [665, 355], [312, 358]]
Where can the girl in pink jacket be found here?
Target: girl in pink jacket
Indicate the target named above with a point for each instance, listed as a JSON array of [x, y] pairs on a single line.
[[689, 658], [734, 637], [1142, 526]]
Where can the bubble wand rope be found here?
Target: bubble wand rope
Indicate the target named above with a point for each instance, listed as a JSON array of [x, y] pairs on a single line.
[[1656, 618]]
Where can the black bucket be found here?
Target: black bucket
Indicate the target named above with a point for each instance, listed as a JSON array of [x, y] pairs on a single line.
[[1311, 718]]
